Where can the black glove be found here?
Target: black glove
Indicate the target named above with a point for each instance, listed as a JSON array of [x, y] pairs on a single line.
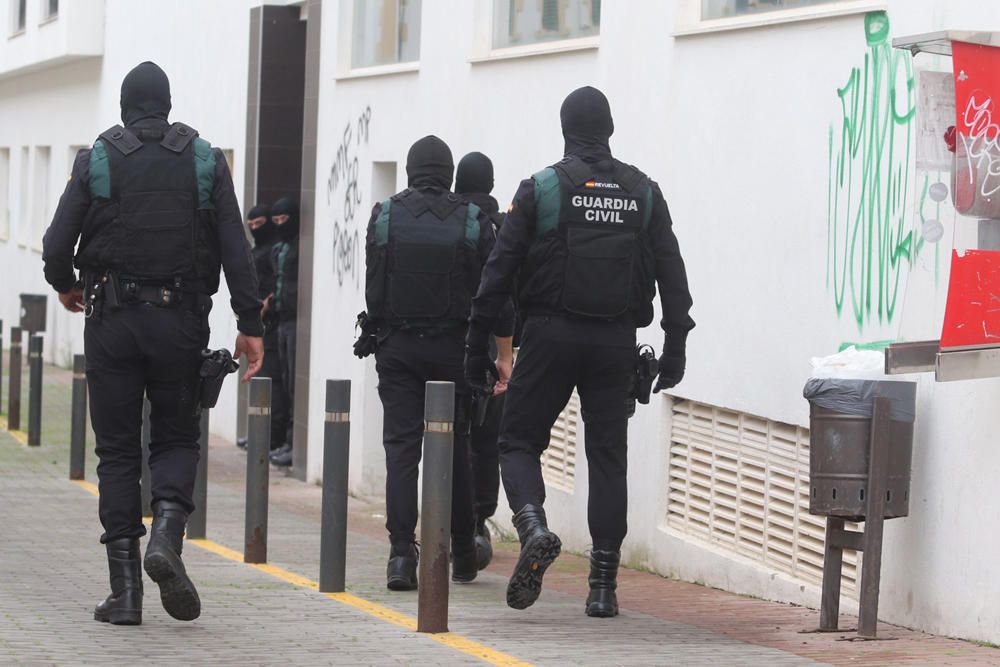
[[365, 346], [480, 371], [671, 372]]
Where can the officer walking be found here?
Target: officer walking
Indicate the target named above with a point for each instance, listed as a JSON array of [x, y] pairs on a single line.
[[285, 303], [474, 183], [153, 207], [425, 249], [265, 235], [586, 238]]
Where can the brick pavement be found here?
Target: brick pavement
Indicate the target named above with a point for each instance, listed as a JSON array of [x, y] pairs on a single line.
[[252, 618]]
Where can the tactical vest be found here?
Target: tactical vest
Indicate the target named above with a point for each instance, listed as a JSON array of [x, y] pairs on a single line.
[[425, 267], [151, 215], [590, 256]]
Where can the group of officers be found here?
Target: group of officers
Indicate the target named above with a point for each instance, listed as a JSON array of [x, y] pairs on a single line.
[[149, 218]]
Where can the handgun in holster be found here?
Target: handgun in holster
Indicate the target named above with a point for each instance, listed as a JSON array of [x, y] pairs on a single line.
[[481, 397], [646, 368], [215, 366]]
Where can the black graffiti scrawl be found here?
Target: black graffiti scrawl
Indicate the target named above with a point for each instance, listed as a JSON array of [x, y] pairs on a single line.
[[342, 185]]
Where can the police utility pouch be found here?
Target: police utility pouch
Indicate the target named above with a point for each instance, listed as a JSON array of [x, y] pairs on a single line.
[[215, 366]]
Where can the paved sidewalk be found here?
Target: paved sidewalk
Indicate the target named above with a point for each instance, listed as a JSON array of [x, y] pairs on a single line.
[[54, 572]]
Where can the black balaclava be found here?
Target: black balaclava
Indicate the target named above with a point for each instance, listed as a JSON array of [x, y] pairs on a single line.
[[266, 232], [586, 122], [145, 93], [474, 175], [429, 164], [286, 206]]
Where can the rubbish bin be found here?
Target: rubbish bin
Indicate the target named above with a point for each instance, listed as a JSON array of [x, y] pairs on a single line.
[[33, 309], [840, 420]]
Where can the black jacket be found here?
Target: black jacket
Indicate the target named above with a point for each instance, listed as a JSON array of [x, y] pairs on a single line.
[[285, 268], [60, 241], [516, 236]]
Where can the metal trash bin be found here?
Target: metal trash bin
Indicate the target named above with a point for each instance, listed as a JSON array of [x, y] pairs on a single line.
[[840, 420], [33, 311]]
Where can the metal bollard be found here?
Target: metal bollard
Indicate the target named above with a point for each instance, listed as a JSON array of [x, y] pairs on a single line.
[[35, 391], [199, 517], [336, 457], [14, 406], [78, 421], [258, 450], [435, 510], [146, 480]]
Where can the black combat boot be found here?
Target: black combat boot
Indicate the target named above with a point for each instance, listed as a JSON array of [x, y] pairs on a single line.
[[484, 546], [602, 602], [124, 605], [463, 560], [539, 547], [401, 572], [163, 562]]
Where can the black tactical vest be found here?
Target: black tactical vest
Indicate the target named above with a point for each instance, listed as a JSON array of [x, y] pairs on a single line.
[[151, 216], [590, 256], [425, 267]]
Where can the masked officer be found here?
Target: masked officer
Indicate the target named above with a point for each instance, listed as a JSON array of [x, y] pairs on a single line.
[[586, 238], [153, 207], [425, 249], [474, 183], [265, 235], [285, 302]]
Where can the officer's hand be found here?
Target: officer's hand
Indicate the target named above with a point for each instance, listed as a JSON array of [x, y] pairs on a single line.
[[253, 347], [266, 306], [73, 300], [671, 373], [505, 367], [478, 366]]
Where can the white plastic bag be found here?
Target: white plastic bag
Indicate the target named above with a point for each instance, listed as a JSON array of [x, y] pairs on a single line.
[[851, 363]]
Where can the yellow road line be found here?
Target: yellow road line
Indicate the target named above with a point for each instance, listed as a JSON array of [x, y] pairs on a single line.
[[449, 639], [20, 436]]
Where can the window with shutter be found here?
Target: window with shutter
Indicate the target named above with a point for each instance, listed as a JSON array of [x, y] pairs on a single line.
[[559, 460], [742, 483]]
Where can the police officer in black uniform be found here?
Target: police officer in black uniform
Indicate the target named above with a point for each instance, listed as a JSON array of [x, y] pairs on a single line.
[[425, 249], [586, 239], [474, 183], [265, 235], [285, 304], [153, 208]]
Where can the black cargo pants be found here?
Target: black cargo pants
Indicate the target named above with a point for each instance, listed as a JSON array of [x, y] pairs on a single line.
[[272, 368], [556, 355], [405, 361], [136, 350]]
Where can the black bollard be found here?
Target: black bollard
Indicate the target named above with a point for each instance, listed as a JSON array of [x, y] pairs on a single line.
[[78, 421], [35, 391], [258, 450], [14, 406], [145, 481], [336, 458], [198, 520], [435, 510]]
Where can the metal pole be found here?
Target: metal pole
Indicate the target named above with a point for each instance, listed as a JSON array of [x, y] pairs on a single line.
[[199, 517], [336, 457], [258, 449], [871, 564], [14, 406], [241, 402], [146, 481], [833, 562], [78, 428], [35, 391], [435, 511]]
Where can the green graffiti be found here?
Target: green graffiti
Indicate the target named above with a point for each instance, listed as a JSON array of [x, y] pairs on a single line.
[[870, 239]]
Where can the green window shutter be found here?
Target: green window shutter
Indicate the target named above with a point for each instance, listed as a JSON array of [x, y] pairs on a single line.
[[547, 200], [382, 224], [100, 171], [472, 225], [204, 164]]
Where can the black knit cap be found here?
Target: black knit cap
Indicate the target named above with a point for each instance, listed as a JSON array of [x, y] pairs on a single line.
[[474, 175]]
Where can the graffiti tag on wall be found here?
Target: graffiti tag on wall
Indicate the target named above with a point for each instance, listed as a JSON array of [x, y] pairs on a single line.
[[870, 234], [342, 186]]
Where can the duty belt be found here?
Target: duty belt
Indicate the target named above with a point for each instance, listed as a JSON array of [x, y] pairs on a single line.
[[134, 291]]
